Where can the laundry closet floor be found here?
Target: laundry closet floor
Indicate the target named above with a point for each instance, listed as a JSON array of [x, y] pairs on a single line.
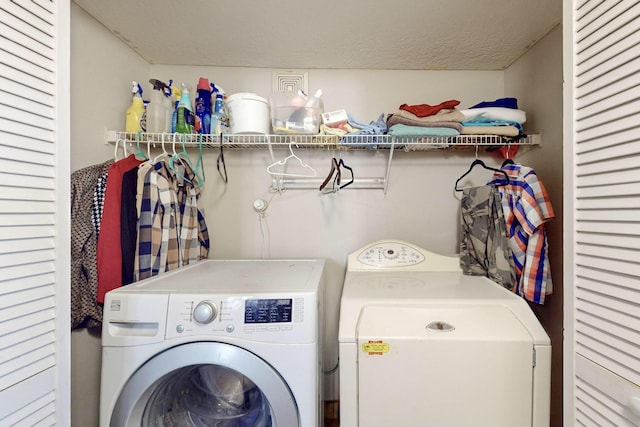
[[332, 413]]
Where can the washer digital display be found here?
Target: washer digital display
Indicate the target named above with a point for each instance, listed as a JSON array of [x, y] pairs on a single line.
[[268, 310]]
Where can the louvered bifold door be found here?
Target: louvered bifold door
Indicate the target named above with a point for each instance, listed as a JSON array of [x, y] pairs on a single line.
[[30, 214], [606, 213]]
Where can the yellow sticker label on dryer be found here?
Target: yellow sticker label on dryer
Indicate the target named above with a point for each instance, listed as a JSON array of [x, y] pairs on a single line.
[[375, 347]]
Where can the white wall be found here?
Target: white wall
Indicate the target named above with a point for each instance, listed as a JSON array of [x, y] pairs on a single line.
[[420, 205], [101, 69]]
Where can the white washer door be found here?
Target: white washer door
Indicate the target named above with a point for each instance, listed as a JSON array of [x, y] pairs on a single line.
[[203, 384]]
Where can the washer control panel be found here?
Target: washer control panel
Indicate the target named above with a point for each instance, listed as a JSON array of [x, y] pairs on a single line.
[[205, 312], [263, 317], [390, 254]]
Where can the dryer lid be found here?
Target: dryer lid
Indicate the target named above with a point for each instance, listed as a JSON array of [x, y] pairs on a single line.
[[448, 321]]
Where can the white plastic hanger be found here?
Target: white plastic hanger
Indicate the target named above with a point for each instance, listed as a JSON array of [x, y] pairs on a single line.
[[311, 171], [164, 150], [124, 149]]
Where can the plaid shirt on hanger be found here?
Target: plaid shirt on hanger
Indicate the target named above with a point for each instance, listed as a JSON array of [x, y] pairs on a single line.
[[526, 208], [157, 235]]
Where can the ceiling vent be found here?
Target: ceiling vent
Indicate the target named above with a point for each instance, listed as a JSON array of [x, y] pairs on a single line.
[[290, 80]]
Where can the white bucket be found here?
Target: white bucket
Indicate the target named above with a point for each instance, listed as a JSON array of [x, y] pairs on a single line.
[[248, 113]]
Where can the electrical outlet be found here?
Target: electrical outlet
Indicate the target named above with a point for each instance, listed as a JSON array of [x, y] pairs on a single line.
[[260, 205]]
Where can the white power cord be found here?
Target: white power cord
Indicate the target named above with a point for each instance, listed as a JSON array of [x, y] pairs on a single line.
[[260, 207]]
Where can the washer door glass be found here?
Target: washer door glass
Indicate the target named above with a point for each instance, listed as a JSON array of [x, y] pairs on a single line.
[[205, 384], [206, 395]]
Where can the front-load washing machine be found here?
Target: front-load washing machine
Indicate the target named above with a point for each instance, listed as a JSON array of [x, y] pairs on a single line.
[[423, 345], [217, 343]]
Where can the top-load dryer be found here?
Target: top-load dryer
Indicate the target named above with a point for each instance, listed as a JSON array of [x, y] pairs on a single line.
[[422, 344]]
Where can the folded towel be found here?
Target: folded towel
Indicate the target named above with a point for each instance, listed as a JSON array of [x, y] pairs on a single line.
[[490, 130], [373, 128], [452, 115], [327, 130], [396, 119], [493, 123], [405, 130], [424, 110], [494, 113], [500, 102]]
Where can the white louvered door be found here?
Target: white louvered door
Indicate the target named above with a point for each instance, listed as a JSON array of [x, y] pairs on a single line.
[[602, 199], [34, 204]]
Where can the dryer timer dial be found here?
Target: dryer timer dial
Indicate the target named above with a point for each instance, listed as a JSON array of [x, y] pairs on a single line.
[[205, 312]]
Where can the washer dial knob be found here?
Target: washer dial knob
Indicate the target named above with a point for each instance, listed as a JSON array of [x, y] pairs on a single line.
[[205, 312]]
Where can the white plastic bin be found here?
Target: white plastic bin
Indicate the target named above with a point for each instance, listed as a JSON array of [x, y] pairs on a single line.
[[248, 114]]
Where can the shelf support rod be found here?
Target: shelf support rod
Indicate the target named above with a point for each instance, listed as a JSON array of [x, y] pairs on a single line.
[[373, 183], [388, 172]]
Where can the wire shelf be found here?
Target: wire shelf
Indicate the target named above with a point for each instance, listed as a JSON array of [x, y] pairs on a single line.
[[346, 142]]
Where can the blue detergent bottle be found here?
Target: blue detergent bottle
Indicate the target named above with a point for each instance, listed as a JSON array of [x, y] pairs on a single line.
[[203, 106]]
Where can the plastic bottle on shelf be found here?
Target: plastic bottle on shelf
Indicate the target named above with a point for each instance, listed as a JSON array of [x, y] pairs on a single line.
[[176, 94], [219, 123], [136, 117], [184, 113], [156, 110], [203, 107]]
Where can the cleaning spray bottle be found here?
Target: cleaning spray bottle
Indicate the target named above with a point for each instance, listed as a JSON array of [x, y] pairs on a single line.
[[156, 110], [184, 119], [136, 118], [218, 117], [176, 94], [203, 107]]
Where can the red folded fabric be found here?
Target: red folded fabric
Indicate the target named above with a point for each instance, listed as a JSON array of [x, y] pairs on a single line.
[[424, 110]]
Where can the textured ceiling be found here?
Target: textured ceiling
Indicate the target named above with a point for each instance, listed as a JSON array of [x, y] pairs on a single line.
[[330, 34]]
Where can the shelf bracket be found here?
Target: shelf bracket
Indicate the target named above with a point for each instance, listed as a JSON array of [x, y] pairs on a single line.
[[388, 171]]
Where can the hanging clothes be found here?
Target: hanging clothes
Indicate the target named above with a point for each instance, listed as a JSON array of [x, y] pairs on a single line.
[[113, 205], [484, 247], [128, 224], [172, 229], [85, 312], [109, 240], [157, 234], [192, 230], [98, 201], [526, 207]]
